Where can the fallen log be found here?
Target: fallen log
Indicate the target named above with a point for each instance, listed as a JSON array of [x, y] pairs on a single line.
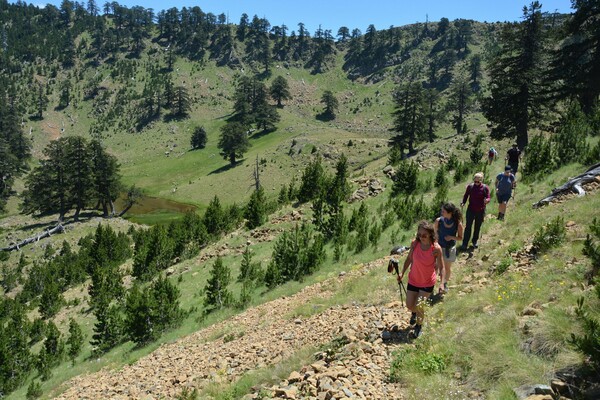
[[47, 233], [572, 185]]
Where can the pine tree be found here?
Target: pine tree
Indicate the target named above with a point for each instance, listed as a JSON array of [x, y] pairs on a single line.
[[406, 178], [15, 353], [108, 329], [313, 179], [280, 90], [217, 295], [459, 101], [233, 141], [249, 271], [106, 177], [576, 62], [181, 104], [51, 299], [47, 187], [75, 340], [256, 209], [214, 217], [198, 138], [409, 115], [79, 174], [54, 345], [516, 88], [331, 104]]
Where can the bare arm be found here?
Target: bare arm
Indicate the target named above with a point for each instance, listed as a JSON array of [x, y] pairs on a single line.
[[439, 260]]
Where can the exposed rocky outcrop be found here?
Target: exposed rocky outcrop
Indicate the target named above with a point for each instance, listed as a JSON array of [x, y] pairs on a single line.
[[266, 335], [368, 187]]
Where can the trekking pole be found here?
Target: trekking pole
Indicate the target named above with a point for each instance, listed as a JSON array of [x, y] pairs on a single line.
[[400, 283], [402, 292]]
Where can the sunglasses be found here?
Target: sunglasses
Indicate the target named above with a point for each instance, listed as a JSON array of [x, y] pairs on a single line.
[[423, 235], [477, 182]]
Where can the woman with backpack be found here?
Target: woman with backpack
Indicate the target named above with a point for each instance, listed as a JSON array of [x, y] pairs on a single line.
[[448, 230], [424, 259], [492, 154]]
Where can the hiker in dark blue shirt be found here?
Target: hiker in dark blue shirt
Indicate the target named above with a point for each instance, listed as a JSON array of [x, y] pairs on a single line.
[[513, 156], [505, 183]]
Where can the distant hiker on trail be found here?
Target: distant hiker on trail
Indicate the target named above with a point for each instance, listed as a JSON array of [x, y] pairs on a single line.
[[424, 259], [513, 156], [448, 230], [478, 195], [505, 183], [492, 154]]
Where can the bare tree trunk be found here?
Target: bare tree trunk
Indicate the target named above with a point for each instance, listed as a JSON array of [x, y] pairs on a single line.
[[49, 232], [573, 185]]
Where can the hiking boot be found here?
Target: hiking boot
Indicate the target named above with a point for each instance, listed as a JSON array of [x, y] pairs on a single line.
[[475, 246], [417, 332], [446, 287], [413, 319], [462, 248]]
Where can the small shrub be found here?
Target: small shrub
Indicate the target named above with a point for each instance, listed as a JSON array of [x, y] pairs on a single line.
[[589, 342], [441, 178], [395, 156], [570, 139], [591, 247], [375, 234], [452, 162], [504, 265], [230, 337], [476, 155], [406, 178], [514, 247], [550, 235], [416, 360], [34, 390], [188, 394], [540, 158], [593, 155]]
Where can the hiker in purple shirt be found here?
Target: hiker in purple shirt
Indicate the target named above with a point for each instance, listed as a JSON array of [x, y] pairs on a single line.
[[478, 195]]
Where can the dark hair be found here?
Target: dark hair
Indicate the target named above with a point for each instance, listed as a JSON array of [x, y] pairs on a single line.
[[429, 228], [455, 211]]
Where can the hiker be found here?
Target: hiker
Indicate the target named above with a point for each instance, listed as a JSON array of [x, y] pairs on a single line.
[[424, 259], [478, 195], [505, 183], [492, 155], [448, 230], [513, 156]]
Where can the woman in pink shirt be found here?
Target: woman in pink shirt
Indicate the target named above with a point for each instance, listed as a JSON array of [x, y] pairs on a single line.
[[423, 258]]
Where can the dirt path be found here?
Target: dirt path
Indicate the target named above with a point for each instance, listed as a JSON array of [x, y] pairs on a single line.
[[265, 335]]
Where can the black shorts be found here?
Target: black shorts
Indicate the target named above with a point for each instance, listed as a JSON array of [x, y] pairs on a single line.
[[413, 288]]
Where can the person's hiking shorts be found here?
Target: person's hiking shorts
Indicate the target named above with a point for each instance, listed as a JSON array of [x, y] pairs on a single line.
[[503, 197], [413, 288], [449, 253]]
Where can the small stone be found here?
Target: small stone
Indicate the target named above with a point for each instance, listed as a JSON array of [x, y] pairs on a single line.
[[559, 386], [294, 377]]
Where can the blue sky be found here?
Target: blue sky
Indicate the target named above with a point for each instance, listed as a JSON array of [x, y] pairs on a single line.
[[331, 14]]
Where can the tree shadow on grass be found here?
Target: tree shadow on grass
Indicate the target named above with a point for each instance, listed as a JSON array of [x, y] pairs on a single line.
[[226, 168], [325, 117], [262, 133]]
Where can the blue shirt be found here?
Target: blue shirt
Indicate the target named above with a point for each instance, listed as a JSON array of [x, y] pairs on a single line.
[[504, 183]]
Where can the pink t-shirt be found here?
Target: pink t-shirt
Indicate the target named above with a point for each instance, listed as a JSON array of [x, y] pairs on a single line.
[[422, 271]]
